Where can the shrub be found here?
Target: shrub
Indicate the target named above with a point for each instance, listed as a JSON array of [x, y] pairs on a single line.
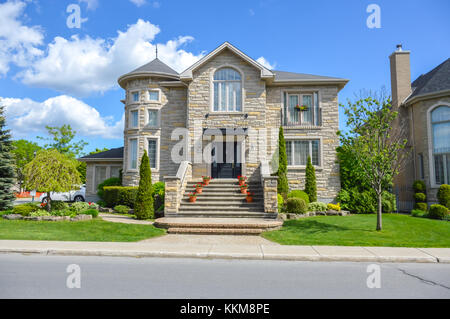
[[283, 184], [93, 206], [317, 207], [113, 181], [358, 202], [418, 213], [101, 203], [438, 212], [419, 186], [336, 207], [92, 212], [420, 197], [65, 212], [280, 202], [119, 195], [158, 195], [59, 205], [25, 209], [388, 202], [299, 194], [78, 207], [122, 209], [421, 206], [443, 195], [143, 208], [310, 183], [40, 213], [296, 206]]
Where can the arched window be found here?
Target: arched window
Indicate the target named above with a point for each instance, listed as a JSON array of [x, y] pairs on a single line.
[[227, 90], [440, 127]]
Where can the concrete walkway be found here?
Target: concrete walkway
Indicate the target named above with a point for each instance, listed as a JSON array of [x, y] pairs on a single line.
[[186, 249], [115, 218]]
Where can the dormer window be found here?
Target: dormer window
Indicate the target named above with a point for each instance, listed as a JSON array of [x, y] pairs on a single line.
[[227, 86]]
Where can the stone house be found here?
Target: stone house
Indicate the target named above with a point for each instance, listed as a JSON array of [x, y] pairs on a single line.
[[221, 118], [424, 117]]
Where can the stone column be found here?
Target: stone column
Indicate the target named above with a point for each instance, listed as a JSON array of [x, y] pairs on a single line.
[[172, 194], [270, 194]]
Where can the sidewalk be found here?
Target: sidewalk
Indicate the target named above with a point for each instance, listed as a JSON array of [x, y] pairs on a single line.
[[230, 251]]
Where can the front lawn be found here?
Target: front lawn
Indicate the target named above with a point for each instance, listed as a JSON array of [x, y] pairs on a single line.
[[92, 230], [359, 230]]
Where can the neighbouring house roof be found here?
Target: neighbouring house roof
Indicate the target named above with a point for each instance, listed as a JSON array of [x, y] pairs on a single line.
[[153, 68], [110, 155], [435, 81], [283, 77]]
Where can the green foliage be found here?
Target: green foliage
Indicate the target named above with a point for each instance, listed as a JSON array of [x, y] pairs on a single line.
[[280, 200], [310, 183], [113, 181], [419, 186], [336, 207], [92, 212], [296, 206], [51, 171], [420, 197], [25, 209], [158, 195], [443, 195], [61, 139], [59, 205], [421, 206], [65, 212], [283, 184], [122, 209], [299, 194], [350, 171], [419, 213], [7, 167], [388, 202], [23, 154], [78, 207], [365, 202], [81, 168], [119, 195], [438, 212], [40, 213], [101, 203], [143, 208], [317, 207]]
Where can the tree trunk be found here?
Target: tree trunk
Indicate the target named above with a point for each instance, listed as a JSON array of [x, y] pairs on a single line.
[[380, 209], [49, 202]]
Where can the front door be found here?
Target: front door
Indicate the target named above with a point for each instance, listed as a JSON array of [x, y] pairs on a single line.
[[226, 160]]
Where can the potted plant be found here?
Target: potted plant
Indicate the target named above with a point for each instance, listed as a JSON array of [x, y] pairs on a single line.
[[198, 188], [249, 197], [192, 197], [206, 180], [242, 180], [244, 188], [302, 107]]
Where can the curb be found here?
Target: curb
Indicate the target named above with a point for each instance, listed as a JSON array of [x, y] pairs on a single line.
[[215, 255]]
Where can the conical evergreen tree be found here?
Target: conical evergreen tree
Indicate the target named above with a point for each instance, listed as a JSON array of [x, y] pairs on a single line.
[[310, 183], [7, 167], [283, 185], [143, 207]]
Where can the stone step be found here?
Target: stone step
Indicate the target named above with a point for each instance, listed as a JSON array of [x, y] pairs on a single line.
[[215, 231], [222, 214], [223, 195], [229, 201], [252, 208], [191, 188]]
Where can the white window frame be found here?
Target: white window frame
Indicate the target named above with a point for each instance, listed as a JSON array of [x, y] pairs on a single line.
[[308, 138], [129, 168], [315, 117], [431, 161], [147, 117], [130, 119], [148, 96], [212, 81], [108, 173], [132, 96], [158, 151]]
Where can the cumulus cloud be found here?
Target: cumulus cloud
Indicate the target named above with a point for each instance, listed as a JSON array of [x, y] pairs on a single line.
[[18, 43], [138, 2], [26, 117], [265, 63], [84, 65]]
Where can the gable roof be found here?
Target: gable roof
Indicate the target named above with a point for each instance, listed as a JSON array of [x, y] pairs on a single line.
[[187, 74], [436, 80], [153, 68], [112, 154]]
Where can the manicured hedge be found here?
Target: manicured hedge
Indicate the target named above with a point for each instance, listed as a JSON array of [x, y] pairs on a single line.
[[25, 209], [299, 194], [443, 195], [421, 206], [119, 195], [113, 181], [419, 186], [438, 212], [296, 206]]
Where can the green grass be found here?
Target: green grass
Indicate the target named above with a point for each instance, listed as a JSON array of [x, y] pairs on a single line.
[[92, 230], [359, 230]]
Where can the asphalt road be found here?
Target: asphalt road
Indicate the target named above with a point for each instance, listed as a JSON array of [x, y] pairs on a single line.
[[37, 276]]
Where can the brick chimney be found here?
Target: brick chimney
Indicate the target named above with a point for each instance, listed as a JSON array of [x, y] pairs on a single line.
[[400, 76]]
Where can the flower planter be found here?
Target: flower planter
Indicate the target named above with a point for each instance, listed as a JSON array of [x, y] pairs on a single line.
[[206, 180], [199, 190], [244, 190], [249, 199], [192, 199]]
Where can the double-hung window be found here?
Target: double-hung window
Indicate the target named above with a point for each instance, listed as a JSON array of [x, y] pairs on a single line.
[[133, 149], [135, 97], [302, 109], [297, 152], [153, 95], [134, 119], [152, 152], [227, 87], [440, 123], [153, 118]]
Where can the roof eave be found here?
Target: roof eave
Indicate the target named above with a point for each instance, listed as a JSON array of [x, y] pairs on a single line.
[[426, 96], [131, 76], [340, 82], [101, 159]]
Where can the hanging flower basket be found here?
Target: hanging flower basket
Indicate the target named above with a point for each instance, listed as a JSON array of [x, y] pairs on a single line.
[[302, 108], [192, 197]]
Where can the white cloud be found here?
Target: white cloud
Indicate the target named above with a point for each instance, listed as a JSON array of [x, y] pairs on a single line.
[[26, 117], [82, 66], [138, 2], [91, 4], [266, 63], [18, 43]]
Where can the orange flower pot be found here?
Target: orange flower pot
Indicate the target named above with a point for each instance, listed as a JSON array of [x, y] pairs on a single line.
[[249, 199], [244, 190], [206, 183], [199, 190], [192, 199]]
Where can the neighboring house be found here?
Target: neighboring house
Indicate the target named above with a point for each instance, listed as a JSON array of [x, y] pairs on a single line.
[[424, 112], [226, 89]]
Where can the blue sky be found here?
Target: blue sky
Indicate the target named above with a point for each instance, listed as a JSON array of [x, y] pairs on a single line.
[[52, 74]]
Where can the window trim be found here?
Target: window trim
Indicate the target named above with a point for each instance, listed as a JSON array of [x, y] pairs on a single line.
[[132, 101], [108, 173], [130, 118], [147, 118], [307, 138], [158, 151], [316, 122], [431, 161], [129, 169], [148, 95], [211, 85]]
